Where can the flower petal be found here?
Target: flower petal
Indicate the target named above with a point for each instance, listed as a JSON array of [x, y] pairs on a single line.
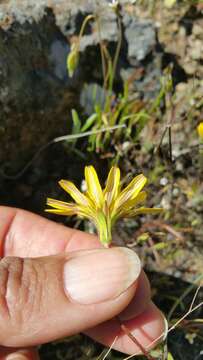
[[61, 207], [131, 191], [59, 212], [131, 203], [73, 191], [69, 209], [94, 189], [112, 185]]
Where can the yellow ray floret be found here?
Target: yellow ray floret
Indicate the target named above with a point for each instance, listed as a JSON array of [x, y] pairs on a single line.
[[103, 207], [112, 185], [76, 194], [61, 207], [130, 192], [94, 189]]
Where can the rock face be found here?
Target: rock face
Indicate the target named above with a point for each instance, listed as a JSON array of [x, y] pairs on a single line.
[[36, 94]]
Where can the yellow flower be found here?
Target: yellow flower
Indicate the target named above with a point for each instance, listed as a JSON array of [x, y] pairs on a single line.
[[103, 207], [200, 130]]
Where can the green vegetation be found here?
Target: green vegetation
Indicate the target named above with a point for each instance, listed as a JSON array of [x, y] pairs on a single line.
[[164, 238]]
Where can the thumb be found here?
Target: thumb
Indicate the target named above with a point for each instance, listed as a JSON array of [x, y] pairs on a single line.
[[45, 298]]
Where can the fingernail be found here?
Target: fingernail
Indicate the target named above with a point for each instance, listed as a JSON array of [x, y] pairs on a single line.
[[23, 354], [16, 356], [101, 275]]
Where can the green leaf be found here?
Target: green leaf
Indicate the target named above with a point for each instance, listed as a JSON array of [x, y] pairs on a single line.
[[143, 237], [160, 246], [170, 357], [89, 122], [76, 122]]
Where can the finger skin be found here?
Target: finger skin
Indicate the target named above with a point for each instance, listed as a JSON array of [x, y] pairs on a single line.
[[27, 235], [22, 237], [34, 307], [140, 300], [146, 327]]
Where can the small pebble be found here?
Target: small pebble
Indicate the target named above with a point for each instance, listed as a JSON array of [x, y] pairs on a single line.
[[125, 145], [163, 181], [176, 192]]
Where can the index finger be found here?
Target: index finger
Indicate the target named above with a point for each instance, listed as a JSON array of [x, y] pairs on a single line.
[[25, 234]]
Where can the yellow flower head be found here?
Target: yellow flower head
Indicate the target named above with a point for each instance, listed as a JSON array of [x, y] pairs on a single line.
[[103, 207], [200, 130]]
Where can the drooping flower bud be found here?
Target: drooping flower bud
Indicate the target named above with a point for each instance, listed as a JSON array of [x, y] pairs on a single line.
[[73, 59]]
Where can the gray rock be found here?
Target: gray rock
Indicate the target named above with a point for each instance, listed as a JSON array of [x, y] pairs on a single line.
[[36, 94], [141, 38]]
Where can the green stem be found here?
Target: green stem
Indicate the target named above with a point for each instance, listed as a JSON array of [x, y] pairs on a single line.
[[86, 20], [118, 49], [101, 49]]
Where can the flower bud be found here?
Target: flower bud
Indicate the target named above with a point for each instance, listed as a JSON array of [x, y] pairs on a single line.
[[73, 59]]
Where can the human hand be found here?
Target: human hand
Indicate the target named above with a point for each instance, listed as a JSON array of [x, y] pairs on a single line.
[[56, 282]]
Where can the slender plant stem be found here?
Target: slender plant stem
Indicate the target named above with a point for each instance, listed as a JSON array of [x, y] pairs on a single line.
[[136, 342], [118, 49], [86, 20], [101, 48], [182, 297]]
